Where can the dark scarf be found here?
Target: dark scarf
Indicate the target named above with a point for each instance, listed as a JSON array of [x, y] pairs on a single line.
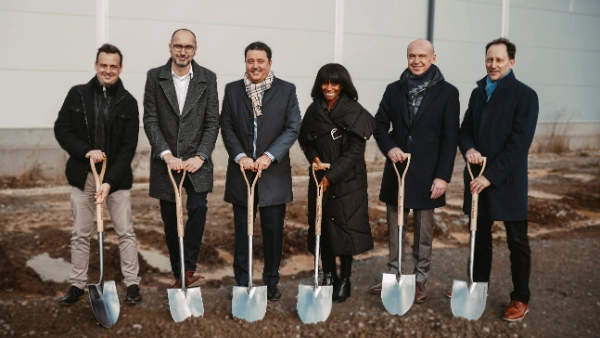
[[416, 87], [103, 96], [346, 115]]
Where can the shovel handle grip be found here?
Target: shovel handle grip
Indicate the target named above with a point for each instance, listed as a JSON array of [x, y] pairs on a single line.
[[401, 189], [178, 200], [319, 210], [475, 197], [98, 181], [250, 219]]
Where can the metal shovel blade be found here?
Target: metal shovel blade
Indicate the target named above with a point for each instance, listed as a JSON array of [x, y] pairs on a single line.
[[184, 304], [249, 304], [397, 295], [105, 303], [314, 303], [468, 301]]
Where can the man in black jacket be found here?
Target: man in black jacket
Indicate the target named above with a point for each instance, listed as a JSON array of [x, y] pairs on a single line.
[[423, 111], [100, 120], [499, 124]]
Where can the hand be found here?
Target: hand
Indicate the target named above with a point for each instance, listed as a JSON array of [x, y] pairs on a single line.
[[193, 164], [325, 183], [474, 157], [262, 163], [438, 188], [173, 162], [96, 155], [316, 161], [246, 163], [478, 184], [102, 193], [396, 155]]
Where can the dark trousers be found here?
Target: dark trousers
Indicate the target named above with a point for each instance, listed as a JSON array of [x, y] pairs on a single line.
[[194, 228], [328, 257], [271, 221], [520, 256]]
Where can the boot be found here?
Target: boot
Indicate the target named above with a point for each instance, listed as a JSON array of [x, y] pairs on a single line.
[[329, 278], [342, 290]]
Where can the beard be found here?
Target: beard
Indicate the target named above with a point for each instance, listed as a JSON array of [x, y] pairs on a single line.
[[183, 63]]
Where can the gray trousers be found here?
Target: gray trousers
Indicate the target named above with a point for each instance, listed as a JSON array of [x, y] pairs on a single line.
[[84, 208], [421, 254]]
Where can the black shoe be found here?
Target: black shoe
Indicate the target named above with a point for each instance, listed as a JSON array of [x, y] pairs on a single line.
[[273, 293], [342, 290], [72, 296], [133, 294], [329, 279]]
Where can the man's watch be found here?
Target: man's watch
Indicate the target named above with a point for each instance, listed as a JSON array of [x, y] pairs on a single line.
[[202, 158]]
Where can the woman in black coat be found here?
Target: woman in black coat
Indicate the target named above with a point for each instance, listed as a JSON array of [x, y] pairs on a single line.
[[335, 130]]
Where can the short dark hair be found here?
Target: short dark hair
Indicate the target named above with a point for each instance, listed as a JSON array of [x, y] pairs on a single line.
[[184, 29], [510, 47], [257, 45], [337, 74], [110, 49]]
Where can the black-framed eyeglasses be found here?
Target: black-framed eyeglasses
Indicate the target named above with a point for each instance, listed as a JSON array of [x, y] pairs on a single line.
[[187, 49]]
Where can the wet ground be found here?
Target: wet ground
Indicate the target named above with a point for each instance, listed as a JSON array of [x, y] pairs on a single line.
[[35, 225]]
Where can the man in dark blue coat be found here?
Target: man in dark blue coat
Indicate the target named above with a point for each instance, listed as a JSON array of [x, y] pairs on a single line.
[[499, 124], [423, 111], [260, 121]]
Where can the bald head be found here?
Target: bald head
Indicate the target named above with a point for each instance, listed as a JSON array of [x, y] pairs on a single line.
[[420, 55]]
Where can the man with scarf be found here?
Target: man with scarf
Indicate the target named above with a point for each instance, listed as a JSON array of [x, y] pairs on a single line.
[[499, 124], [423, 111], [260, 120], [99, 120]]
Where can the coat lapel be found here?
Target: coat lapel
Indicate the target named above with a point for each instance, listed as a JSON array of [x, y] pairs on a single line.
[[269, 94], [245, 98], [429, 98], [195, 89], [168, 87], [402, 104]]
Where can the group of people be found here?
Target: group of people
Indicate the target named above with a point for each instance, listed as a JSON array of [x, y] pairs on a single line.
[[260, 120]]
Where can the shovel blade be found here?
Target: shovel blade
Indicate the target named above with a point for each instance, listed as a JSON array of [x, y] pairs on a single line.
[[105, 311], [249, 304], [468, 301], [397, 295], [184, 304], [314, 303]]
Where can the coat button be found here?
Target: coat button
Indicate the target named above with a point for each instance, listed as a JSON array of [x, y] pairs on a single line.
[[180, 141], [333, 219], [249, 134], [77, 110], [332, 196], [410, 138]]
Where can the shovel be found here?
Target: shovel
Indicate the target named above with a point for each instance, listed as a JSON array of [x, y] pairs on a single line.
[[468, 298], [184, 302], [249, 303], [103, 296], [314, 301], [398, 291]]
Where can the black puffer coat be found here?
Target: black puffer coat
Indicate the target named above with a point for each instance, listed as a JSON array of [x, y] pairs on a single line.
[[345, 203]]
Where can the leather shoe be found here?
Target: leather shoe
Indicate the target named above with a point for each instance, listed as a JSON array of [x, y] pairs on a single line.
[[342, 290], [516, 311], [191, 280], [448, 293], [329, 279], [420, 292], [376, 289], [133, 294], [176, 284], [72, 296], [273, 293]]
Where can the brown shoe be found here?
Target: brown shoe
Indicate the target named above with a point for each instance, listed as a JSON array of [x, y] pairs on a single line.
[[449, 293], [191, 280], [376, 289], [420, 292], [176, 284], [516, 311]]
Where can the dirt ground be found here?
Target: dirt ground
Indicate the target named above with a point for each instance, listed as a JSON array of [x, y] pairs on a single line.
[[564, 215]]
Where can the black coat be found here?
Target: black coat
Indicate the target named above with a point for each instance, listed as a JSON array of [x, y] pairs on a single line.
[[74, 130], [345, 203], [277, 131], [191, 133], [431, 141], [501, 130]]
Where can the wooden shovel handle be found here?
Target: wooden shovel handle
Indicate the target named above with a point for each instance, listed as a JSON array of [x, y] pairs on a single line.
[[401, 189], [250, 201], [98, 180], [178, 200], [319, 211], [475, 197]]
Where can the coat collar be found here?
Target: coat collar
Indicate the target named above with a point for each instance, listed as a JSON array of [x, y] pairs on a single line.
[[504, 82], [428, 99], [196, 87]]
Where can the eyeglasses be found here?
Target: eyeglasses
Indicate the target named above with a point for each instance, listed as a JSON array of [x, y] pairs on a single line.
[[186, 49]]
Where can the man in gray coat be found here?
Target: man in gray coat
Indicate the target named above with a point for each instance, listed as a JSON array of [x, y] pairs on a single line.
[[181, 119], [260, 121]]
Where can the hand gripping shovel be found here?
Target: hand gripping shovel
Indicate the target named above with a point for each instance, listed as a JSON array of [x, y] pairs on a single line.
[[103, 296], [398, 291], [184, 302], [314, 301], [249, 303], [468, 298]]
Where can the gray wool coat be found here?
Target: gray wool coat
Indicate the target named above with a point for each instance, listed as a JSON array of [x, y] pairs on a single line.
[[191, 133]]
